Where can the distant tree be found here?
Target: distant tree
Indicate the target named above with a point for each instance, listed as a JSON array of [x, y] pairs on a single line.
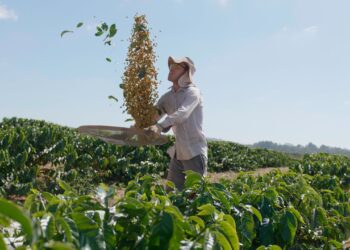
[[310, 148]]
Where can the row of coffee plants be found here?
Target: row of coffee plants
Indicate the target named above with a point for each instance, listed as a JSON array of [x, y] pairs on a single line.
[[274, 211], [34, 154], [323, 164]]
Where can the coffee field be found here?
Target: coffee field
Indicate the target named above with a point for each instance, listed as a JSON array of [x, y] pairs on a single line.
[[60, 190]]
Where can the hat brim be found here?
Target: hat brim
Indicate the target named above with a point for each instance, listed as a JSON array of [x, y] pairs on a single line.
[[172, 60]]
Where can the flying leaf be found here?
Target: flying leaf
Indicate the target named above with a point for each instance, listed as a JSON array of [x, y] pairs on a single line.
[[112, 97], [99, 31], [112, 30], [104, 26], [66, 31], [79, 24]]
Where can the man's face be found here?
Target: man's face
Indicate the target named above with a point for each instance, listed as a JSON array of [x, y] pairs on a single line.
[[176, 71]]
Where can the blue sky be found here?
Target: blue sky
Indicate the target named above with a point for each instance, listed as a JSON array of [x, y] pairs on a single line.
[[268, 69]]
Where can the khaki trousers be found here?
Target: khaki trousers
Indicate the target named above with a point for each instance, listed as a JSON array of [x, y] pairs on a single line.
[[177, 167]]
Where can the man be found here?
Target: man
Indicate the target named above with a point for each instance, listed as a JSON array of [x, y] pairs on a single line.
[[183, 105]]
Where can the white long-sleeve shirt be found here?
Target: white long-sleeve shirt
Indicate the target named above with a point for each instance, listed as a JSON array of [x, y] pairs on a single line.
[[184, 110]]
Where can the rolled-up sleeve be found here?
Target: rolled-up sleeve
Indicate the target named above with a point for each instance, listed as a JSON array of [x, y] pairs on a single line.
[[184, 111]]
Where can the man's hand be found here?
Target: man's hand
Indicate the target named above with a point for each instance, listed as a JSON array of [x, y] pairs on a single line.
[[155, 128], [156, 117]]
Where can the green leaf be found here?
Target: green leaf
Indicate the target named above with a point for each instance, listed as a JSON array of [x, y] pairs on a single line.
[[85, 224], [130, 203], [13, 212], [192, 178], [104, 27], [170, 184], [230, 220], [99, 32], [66, 229], [198, 220], [2, 243], [79, 24], [108, 42], [113, 98], [50, 229], [174, 211], [288, 227], [66, 31], [230, 233], [48, 196], [108, 59], [220, 195], [297, 214], [254, 211], [4, 221], [109, 236], [207, 209], [319, 218], [129, 120], [64, 185], [335, 243], [112, 30], [247, 229], [266, 234], [178, 235], [165, 229], [162, 232], [221, 239]]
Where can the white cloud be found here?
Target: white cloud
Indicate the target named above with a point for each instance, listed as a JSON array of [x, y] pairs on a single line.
[[6, 13], [223, 3], [311, 29]]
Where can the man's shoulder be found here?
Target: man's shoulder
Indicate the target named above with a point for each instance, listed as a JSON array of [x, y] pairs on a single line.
[[164, 96], [193, 89], [167, 93]]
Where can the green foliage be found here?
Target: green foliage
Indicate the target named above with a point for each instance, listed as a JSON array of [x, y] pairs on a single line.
[[324, 164], [203, 215], [145, 218], [225, 156], [58, 170], [34, 154]]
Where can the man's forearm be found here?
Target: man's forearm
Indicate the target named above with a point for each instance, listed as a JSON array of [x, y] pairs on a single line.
[[156, 117]]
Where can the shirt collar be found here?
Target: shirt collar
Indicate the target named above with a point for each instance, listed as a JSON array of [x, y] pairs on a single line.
[[182, 88]]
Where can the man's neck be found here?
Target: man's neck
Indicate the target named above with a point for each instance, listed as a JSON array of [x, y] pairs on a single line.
[[176, 86]]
